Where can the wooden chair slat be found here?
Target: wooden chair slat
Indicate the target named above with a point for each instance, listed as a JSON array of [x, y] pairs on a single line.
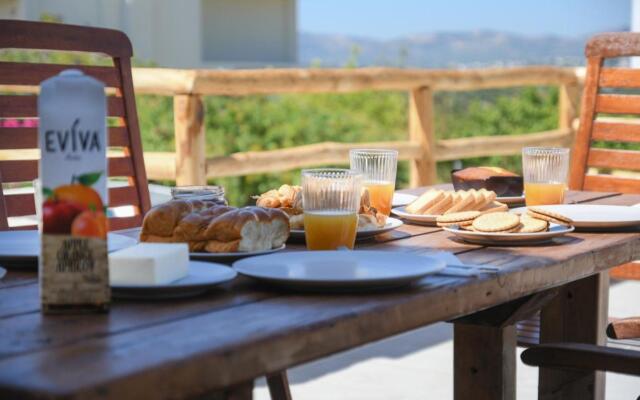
[[18, 138], [27, 138], [119, 136], [18, 170], [49, 36], [20, 204], [14, 73], [123, 196], [26, 106], [120, 166], [616, 132], [617, 159], [608, 183], [618, 104], [116, 224], [16, 106], [613, 44], [619, 78]]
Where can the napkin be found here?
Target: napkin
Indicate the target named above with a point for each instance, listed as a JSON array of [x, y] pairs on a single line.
[[455, 267]]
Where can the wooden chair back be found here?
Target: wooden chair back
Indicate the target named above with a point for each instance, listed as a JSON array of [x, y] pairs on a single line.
[[124, 139], [594, 127]]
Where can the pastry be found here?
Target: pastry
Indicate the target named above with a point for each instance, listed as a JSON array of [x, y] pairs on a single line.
[[499, 180], [205, 226]]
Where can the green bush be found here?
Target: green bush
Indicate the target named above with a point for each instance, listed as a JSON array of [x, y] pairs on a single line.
[[255, 123]]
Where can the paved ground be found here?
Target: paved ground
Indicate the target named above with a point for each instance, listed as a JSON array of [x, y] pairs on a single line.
[[418, 365]]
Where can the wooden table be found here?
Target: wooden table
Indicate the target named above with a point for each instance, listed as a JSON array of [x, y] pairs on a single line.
[[220, 342]]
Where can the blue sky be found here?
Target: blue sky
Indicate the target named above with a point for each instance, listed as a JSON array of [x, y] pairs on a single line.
[[384, 19]]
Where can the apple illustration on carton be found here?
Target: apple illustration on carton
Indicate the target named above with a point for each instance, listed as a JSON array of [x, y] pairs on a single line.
[[75, 209]]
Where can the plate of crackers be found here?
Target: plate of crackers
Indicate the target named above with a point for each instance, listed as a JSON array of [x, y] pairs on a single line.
[[435, 202], [535, 226]]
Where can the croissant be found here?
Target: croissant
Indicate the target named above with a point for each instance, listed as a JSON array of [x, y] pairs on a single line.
[[206, 226], [288, 198]]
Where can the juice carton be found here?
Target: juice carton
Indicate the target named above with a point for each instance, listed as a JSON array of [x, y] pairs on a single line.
[[73, 263]]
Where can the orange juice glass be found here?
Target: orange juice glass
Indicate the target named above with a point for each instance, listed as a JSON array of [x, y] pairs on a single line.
[[545, 171], [378, 168], [331, 199]]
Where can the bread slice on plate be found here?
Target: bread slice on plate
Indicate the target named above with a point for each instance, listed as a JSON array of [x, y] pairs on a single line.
[[463, 202], [441, 206], [425, 201]]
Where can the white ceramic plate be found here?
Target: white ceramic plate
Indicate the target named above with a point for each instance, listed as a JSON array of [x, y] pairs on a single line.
[[339, 270], [511, 200], [297, 235], [231, 257], [595, 216], [21, 248], [202, 277], [402, 199], [510, 239], [420, 219]]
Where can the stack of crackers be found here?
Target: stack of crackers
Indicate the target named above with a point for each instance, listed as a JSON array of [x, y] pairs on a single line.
[[444, 202], [535, 220]]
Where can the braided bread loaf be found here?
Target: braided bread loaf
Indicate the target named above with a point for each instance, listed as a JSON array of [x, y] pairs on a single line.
[[206, 226]]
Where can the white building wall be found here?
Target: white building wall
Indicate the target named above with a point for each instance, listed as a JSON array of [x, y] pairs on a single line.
[[183, 33], [635, 27]]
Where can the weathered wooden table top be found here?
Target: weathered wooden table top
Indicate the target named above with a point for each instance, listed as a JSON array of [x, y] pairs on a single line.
[[243, 330]]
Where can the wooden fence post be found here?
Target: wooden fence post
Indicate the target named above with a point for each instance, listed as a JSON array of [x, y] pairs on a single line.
[[423, 169], [188, 119], [568, 100]]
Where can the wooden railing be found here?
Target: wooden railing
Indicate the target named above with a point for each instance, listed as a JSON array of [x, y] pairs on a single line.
[[189, 164]]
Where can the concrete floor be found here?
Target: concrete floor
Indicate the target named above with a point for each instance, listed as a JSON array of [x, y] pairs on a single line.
[[419, 365]]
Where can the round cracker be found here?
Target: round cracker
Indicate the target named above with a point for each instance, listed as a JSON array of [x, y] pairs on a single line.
[[496, 222], [551, 214], [458, 217], [531, 224]]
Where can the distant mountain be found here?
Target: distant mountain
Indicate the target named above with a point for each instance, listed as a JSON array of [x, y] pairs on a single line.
[[441, 50]]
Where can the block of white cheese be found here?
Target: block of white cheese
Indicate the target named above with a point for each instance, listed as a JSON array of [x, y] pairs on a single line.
[[149, 264]]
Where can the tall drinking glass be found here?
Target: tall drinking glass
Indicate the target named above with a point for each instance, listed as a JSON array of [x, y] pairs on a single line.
[[378, 168], [545, 171], [331, 199]]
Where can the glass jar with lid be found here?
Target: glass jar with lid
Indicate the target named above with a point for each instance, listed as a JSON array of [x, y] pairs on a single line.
[[207, 192]]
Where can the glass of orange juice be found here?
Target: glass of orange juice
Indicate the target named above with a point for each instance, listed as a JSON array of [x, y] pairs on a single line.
[[378, 168], [331, 199], [545, 171]]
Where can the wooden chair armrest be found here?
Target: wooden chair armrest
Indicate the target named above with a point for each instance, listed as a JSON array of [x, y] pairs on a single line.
[[624, 328], [583, 356]]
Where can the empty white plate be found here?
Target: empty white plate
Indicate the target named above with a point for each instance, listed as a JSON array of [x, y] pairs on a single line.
[[202, 277], [392, 223], [21, 248], [339, 270], [402, 199], [595, 216]]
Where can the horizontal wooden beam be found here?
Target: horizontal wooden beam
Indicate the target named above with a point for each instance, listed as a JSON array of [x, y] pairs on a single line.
[[296, 80], [500, 145], [255, 162], [162, 165]]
